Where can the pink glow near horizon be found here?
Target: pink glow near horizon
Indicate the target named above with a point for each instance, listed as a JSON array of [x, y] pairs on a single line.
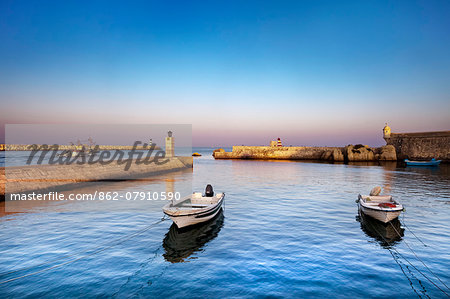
[[322, 134]]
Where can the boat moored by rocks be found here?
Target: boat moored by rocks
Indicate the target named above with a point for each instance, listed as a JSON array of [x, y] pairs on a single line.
[[432, 162], [380, 207]]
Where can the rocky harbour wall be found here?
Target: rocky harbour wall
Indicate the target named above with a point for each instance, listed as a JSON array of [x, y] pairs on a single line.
[[421, 146], [23, 179], [352, 153], [29, 147]]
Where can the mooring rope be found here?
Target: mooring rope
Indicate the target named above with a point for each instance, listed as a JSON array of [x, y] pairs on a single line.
[[401, 255], [406, 243], [60, 258], [407, 227], [64, 256], [404, 273], [138, 272], [96, 250]]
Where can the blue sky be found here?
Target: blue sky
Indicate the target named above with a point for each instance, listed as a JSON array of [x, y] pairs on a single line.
[[241, 72]]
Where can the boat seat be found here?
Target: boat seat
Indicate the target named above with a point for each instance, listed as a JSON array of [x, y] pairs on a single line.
[[378, 199]]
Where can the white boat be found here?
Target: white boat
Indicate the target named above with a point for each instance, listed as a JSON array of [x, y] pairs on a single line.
[[380, 207], [195, 208]]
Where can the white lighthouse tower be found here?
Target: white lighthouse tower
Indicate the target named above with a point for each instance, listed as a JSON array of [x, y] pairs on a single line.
[[170, 149]]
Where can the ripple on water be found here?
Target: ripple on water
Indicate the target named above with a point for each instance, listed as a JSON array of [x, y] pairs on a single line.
[[288, 230]]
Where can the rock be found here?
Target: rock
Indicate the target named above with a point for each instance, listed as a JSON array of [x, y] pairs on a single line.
[[337, 155], [359, 153], [327, 155], [196, 155], [387, 153], [246, 155], [349, 153], [219, 150]]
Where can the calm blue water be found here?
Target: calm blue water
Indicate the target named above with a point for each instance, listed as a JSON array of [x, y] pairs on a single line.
[[289, 229]]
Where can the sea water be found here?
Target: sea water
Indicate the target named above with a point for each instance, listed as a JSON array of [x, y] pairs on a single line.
[[288, 229]]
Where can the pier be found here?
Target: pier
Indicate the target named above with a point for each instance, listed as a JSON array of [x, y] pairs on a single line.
[[29, 147], [351, 153], [45, 177], [22, 179], [399, 146]]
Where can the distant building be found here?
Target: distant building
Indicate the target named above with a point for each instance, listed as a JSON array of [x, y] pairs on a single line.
[[279, 142], [275, 143], [386, 131], [170, 148]]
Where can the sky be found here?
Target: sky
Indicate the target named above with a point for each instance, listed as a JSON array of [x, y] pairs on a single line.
[[241, 72], [110, 134]]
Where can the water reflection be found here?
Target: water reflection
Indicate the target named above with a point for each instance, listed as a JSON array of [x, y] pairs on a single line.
[[388, 165], [386, 234], [180, 244]]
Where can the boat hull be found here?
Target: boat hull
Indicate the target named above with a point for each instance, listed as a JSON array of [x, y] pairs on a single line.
[[422, 163], [182, 221], [380, 215]]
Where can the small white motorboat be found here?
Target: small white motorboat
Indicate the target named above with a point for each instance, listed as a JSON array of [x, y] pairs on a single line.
[[380, 207], [195, 208]]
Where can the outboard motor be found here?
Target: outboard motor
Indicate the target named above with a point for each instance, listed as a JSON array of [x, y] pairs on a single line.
[[209, 191]]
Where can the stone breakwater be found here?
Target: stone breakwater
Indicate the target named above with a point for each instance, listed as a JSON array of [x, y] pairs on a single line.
[[421, 146], [350, 153], [23, 179], [28, 147]]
